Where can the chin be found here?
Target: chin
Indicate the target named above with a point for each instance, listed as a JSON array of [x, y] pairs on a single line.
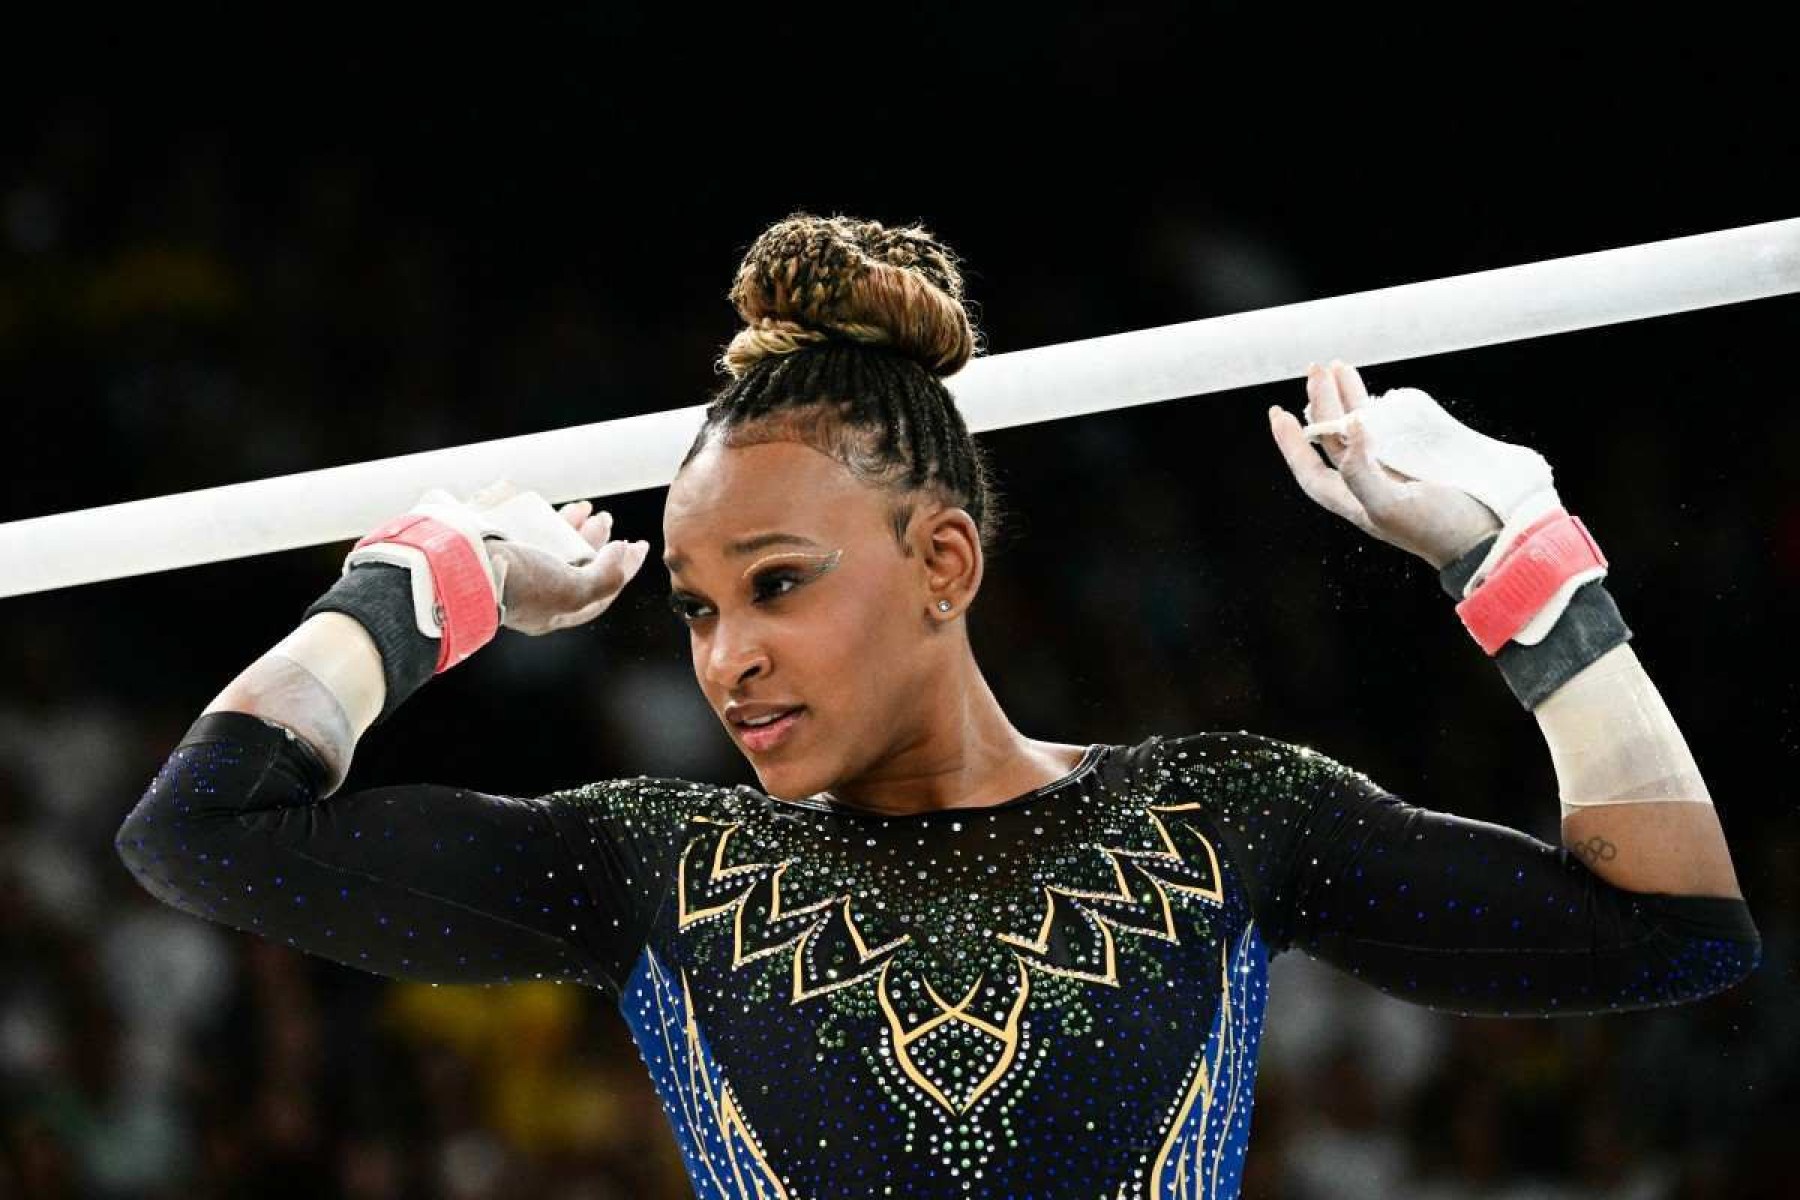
[[789, 781]]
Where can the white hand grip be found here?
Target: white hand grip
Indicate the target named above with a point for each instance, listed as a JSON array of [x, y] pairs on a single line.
[[527, 517]]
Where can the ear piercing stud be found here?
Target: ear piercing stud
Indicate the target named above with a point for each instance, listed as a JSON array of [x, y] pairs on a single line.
[[943, 606]]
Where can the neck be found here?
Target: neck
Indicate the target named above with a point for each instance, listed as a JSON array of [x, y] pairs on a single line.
[[966, 755]]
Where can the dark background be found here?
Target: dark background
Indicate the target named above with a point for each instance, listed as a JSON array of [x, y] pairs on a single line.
[[233, 247]]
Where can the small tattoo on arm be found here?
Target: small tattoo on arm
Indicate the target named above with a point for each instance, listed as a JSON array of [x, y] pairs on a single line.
[[1595, 849]]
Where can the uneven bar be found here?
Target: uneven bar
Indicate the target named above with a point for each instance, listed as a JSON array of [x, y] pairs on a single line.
[[1193, 358]]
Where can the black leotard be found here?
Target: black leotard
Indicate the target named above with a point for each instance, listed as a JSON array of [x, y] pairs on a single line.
[[1055, 996]]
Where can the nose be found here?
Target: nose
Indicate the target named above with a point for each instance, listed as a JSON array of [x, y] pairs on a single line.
[[733, 656]]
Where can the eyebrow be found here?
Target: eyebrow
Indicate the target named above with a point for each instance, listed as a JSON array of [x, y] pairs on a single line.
[[674, 562]]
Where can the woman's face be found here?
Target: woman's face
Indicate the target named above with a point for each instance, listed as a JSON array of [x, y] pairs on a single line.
[[798, 600]]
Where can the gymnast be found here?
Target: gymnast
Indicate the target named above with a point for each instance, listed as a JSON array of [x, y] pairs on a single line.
[[931, 955]]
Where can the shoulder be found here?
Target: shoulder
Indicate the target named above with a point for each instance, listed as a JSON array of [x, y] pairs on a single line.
[[1218, 747], [1229, 760], [653, 801]]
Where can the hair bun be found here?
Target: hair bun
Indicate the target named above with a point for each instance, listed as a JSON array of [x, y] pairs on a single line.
[[811, 279]]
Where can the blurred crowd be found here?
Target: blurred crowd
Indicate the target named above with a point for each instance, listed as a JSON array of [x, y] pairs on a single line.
[[184, 319]]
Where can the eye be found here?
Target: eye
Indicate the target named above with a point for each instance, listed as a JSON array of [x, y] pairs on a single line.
[[769, 585], [766, 585], [686, 607]]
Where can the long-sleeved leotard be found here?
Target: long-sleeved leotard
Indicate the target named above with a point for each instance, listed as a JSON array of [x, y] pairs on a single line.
[[1060, 995]]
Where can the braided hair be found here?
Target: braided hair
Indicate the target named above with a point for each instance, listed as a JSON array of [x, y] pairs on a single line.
[[849, 327]]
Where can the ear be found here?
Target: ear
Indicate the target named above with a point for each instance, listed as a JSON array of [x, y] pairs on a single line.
[[948, 543]]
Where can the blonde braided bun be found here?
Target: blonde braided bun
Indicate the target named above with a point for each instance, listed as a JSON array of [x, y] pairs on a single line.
[[811, 279]]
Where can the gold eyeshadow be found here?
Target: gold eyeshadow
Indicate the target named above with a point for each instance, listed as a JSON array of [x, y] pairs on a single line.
[[819, 563]]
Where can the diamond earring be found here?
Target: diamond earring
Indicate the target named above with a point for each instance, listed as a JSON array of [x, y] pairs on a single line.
[[943, 606]]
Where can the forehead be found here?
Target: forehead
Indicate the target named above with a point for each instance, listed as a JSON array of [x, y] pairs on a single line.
[[730, 490]]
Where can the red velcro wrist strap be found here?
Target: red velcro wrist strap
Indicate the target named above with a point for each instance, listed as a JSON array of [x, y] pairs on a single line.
[[461, 587], [1552, 549]]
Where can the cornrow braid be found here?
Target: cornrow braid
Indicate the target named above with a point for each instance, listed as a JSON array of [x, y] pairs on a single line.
[[849, 327], [890, 422]]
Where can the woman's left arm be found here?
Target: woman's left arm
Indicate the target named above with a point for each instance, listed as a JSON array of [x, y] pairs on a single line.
[[1640, 905], [1444, 910], [1635, 808]]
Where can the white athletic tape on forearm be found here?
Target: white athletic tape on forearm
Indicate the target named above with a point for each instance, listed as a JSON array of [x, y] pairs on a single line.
[[1189, 359], [1613, 740]]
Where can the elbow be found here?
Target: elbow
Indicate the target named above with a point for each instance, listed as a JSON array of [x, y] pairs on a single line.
[[141, 851], [1731, 963], [1707, 966], [195, 829], [135, 840], [1705, 945], [149, 847], [165, 872]]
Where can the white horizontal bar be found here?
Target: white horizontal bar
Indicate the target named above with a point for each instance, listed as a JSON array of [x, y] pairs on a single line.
[[1189, 359]]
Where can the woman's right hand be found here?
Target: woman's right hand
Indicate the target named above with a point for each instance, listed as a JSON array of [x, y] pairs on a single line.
[[538, 591]]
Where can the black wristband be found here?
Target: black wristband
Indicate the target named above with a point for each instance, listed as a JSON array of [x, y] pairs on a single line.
[[379, 597], [1588, 628]]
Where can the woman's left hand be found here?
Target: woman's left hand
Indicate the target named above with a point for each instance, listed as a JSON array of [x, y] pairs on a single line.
[[1435, 522]]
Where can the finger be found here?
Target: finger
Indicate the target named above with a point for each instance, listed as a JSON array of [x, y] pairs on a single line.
[[612, 569], [1319, 429], [1372, 487], [638, 551], [1322, 484], [597, 528], [576, 511], [603, 579], [582, 615], [1350, 385], [1322, 400], [1324, 405], [502, 565]]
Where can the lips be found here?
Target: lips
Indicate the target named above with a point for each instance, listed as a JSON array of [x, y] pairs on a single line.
[[737, 714], [770, 733]]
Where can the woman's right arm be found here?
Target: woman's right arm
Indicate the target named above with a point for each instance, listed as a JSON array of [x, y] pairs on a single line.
[[420, 882], [323, 681]]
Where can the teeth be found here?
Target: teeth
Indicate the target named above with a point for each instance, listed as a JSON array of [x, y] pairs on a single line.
[[760, 721]]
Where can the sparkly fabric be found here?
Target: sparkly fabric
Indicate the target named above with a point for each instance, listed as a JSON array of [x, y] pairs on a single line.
[[1060, 995]]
